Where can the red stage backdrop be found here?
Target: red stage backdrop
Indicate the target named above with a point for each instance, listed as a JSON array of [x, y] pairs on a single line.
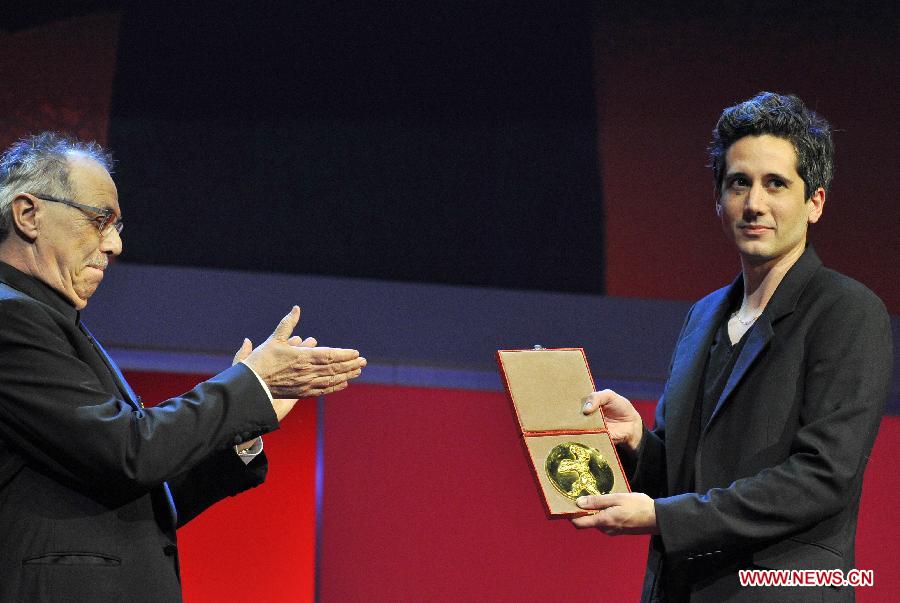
[[429, 496], [260, 545]]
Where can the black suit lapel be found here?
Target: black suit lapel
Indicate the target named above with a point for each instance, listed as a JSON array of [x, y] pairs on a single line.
[[757, 340], [129, 395], [113, 369], [783, 303], [683, 387]]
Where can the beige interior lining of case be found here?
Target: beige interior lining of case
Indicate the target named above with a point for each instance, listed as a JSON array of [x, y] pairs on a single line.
[[548, 388]]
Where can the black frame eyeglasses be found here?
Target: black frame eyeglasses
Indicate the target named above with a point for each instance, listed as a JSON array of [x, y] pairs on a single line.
[[106, 219]]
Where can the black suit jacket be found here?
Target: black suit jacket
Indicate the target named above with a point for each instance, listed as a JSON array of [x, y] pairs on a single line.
[[84, 469], [779, 466]]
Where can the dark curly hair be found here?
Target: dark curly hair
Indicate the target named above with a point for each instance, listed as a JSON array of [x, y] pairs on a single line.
[[784, 116]]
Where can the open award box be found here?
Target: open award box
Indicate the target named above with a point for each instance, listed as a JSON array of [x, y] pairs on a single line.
[[571, 453]]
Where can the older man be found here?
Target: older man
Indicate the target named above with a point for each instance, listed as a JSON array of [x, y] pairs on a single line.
[[775, 391], [93, 485]]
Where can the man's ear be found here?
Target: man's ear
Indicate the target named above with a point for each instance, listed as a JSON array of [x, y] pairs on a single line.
[[719, 207], [24, 216], [816, 205]]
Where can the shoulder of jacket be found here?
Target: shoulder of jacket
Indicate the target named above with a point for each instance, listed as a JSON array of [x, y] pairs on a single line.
[[17, 305], [836, 290], [711, 300]]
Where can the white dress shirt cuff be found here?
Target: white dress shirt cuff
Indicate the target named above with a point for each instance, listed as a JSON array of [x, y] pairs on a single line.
[[251, 453]]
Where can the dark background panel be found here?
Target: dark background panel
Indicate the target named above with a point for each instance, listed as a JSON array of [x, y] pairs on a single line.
[[664, 74], [451, 143], [57, 75], [24, 16]]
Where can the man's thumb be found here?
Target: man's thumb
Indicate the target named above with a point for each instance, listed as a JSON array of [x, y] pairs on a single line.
[[287, 325], [243, 351]]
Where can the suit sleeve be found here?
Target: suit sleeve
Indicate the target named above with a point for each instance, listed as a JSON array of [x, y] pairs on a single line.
[[845, 386], [218, 476], [55, 413]]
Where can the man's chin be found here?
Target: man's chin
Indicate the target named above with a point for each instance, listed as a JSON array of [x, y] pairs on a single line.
[[754, 249], [79, 298], [755, 254]]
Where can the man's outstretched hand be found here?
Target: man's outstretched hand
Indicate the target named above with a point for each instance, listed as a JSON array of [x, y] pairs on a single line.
[[295, 368]]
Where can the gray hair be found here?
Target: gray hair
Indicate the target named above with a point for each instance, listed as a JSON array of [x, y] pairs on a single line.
[[784, 116], [39, 164]]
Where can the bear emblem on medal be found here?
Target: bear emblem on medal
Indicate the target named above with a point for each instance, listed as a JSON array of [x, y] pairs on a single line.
[[577, 469]]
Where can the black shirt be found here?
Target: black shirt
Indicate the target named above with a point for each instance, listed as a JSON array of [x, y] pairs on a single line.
[[720, 362]]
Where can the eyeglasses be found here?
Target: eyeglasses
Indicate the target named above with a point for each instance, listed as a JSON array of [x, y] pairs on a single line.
[[105, 220]]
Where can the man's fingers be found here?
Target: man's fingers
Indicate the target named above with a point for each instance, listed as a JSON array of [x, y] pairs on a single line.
[[331, 355], [603, 519], [327, 381], [329, 389], [338, 368], [336, 380], [600, 521], [309, 342], [305, 372], [598, 400], [331, 383], [595, 401], [287, 325], [586, 521], [602, 501], [335, 388], [621, 513]]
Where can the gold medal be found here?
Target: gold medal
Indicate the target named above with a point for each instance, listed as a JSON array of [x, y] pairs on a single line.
[[577, 469]]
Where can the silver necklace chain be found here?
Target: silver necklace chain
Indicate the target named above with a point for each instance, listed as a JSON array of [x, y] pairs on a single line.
[[747, 322]]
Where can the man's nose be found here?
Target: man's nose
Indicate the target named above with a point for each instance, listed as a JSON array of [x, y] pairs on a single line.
[[111, 242], [755, 202]]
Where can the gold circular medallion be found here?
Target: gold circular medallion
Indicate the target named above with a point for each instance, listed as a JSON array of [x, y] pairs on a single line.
[[577, 469]]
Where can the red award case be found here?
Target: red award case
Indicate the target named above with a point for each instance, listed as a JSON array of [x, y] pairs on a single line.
[[571, 453]]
